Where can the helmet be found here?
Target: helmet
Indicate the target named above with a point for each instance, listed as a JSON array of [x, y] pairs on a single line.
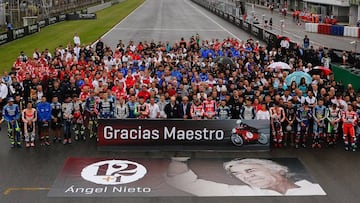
[[288, 128]]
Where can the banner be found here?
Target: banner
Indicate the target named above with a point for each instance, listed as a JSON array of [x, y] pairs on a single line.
[[189, 134], [62, 17], [42, 23], [87, 16], [79, 16], [4, 38], [53, 20], [33, 28], [183, 176], [19, 33]]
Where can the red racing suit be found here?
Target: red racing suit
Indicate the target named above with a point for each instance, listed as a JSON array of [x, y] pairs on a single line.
[[349, 119], [209, 109], [197, 111]]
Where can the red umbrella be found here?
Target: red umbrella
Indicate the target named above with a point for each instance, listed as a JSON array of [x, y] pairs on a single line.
[[283, 38], [317, 70]]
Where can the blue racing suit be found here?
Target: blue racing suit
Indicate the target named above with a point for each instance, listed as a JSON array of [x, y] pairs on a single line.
[[11, 115], [319, 123], [106, 109], [303, 117], [44, 117]]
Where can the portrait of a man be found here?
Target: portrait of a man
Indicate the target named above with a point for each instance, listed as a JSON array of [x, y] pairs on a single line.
[[257, 177]]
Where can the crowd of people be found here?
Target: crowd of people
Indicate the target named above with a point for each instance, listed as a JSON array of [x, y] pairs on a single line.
[[66, 91]]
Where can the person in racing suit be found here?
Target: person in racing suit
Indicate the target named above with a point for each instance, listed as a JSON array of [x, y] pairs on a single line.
[[106, 107], [91, 113], [78, 119], [67, 114], [333, 116], [223, 111], [56, 119], [142, 109], [290, 113], [29, 118], [303, 116], [277, 117], [209, 108], [319, 123], [349, 119], [197, 110], [11, 114]]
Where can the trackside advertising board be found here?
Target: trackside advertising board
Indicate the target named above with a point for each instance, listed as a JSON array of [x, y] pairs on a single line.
[[188, 134]]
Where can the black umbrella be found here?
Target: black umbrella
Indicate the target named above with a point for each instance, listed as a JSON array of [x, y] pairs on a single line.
[[223, 60]]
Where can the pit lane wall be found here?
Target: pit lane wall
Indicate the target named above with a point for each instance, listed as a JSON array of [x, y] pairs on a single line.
[[170, 134]]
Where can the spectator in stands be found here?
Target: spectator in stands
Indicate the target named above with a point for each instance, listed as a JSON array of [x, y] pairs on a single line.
[[223, 111]]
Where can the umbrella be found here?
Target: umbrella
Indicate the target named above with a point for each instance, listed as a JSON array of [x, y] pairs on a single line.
[[223, 60], [296, 76], [283, 38], [280, 65], [318, 70]]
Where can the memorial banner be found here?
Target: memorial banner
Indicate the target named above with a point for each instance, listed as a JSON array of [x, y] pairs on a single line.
[[189, 134], [183, 176]]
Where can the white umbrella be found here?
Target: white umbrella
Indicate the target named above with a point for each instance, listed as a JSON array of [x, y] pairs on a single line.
[[280, 65]]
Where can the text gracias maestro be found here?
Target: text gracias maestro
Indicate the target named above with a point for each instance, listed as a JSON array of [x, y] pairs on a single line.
[[168, 133]]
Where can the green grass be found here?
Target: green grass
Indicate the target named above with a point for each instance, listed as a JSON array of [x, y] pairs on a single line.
[[62, 33]]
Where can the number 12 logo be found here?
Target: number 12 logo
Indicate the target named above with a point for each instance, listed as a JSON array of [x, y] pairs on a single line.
[[113, 172]]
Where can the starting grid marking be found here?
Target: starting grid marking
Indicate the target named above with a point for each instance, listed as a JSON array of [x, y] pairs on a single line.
[[9, 190]]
